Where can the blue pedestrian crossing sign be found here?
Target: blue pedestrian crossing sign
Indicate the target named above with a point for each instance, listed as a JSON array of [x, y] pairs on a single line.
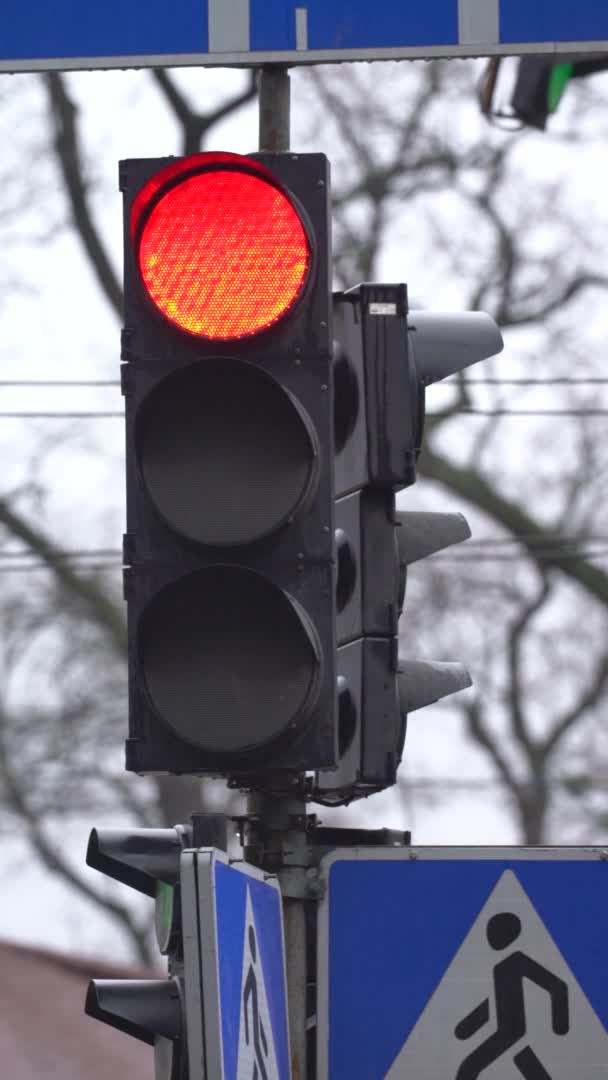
[[463, 963], [38, 35], [242, 968]]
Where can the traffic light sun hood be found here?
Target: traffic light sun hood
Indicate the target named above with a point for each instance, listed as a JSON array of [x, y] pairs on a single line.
[[223, 251]]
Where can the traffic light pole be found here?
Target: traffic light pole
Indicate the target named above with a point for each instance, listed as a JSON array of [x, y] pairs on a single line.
[[275, 837], [274, 100]]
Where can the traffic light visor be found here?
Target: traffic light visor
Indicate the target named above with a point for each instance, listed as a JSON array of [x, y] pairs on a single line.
[[222, 249]]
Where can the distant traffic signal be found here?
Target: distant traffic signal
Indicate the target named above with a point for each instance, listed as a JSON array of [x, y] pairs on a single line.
[[541, 82], [229, 549], [385, 357], [222, 1009]]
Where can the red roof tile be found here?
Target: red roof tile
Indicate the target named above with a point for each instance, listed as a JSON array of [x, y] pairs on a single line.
[[44, 1032]]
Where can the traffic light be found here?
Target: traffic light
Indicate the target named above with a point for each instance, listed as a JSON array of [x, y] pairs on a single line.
[[165, 1013], [229, 548], [268, 427], [384, 357], [541, 82]]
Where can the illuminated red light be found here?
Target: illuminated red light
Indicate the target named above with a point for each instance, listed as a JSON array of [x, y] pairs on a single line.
[[223, 253]]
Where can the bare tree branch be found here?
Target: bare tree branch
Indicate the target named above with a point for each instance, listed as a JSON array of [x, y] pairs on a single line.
[[589, 697], [195, 125], [99, 604], [516, 639], [66, 144], [484, 737], [471, 485], [52, 857]]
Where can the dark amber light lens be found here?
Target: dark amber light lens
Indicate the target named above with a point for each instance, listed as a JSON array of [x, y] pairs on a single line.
[[230, 660], [224, 254], [226, 454]]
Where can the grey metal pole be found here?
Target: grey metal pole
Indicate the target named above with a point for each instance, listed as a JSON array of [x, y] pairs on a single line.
[[276, 834], [274, 99], [276, 840], [294, 921]]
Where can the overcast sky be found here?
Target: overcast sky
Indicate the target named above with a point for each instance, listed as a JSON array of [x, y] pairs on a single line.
[[57, 326]]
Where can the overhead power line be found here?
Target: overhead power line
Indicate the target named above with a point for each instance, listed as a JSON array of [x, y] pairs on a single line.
[[588, 556], [466, 410], [557, 380], [17, 568], [111, 559], [547, 540], [59, 382], [472, 411], [600, 380], [82, 553], [91, 415]]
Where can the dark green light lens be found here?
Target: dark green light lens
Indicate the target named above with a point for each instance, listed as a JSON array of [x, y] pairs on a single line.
[[165, 915]]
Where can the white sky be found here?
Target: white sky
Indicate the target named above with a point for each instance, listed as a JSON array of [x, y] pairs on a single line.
[[62, 328]]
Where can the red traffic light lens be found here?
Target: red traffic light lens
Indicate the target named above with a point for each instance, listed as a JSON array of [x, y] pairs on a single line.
[[223, 252]]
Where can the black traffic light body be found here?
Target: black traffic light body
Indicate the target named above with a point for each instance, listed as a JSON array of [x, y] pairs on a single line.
[[377, 438], [379, 411], [385, 356], [268, 428], [368, 570], [151, 1010], [378, 422], [229, 550]]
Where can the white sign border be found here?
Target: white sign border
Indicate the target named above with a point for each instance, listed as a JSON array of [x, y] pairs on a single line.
[[206, 860]]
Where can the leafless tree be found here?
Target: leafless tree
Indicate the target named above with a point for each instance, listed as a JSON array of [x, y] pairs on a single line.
[[424, 191]]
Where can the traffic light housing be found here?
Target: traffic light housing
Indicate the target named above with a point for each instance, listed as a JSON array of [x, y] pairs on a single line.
[[268, 427], [164, 1013], [385, 356], [541, 82], [229, 548]]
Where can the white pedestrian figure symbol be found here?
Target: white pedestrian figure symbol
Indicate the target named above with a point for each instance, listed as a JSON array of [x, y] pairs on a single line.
[[254, 1028]]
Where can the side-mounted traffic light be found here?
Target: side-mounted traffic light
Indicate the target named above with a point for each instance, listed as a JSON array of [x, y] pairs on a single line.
[[384, 357], [222, 1009], [229, 548], [165, 1013]]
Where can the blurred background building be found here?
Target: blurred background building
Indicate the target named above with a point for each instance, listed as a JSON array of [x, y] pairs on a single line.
[[44, 1032]]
